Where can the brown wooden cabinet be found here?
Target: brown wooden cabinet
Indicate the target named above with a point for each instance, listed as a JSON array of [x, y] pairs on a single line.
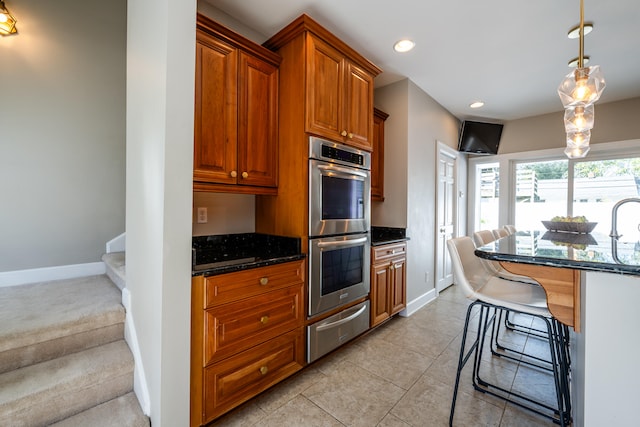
[[377, 156], [339, 96], [388, 281], [236, 113], [247, 334]]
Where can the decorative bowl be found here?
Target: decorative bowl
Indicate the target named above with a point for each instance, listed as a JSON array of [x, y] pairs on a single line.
[[570, 227]]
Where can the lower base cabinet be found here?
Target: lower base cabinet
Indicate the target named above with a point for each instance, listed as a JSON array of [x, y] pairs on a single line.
[[388, 281], [237, 379], [247, 334]]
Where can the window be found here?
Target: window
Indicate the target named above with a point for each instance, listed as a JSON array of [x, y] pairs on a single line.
[[528, 187], [540, 193], [599, 184], [488, 193]]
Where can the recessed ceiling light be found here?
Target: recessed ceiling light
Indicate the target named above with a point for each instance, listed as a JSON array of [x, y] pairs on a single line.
[[404, 45], [574, 33], [476, 104], [574, 62]]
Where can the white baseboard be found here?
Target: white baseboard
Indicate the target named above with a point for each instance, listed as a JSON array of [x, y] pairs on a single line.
[[117, 244], [418, 303], [46, 274], [139, 378]]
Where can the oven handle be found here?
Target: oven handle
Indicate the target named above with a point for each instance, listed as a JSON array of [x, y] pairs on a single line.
[[343, 170], [352, 242], [341, 321]]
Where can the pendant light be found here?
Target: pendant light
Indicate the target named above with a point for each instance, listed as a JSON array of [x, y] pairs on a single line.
[[579, 90], [7, 21]]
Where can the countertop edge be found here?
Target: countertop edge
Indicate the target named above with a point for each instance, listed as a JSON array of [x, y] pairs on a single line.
[[386, 242], [247, 266], [553, 262]]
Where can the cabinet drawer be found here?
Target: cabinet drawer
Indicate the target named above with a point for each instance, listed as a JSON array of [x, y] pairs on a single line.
[[388, 251], [244, 284], [237, 379], [240, 325]]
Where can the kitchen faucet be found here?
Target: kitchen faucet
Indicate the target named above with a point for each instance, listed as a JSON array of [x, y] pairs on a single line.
[[614, 215]]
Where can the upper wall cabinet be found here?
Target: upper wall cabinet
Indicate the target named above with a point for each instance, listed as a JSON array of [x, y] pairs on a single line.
[[236, 113], [338, 92]]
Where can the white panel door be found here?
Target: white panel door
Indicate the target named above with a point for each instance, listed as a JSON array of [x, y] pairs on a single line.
[[445, 213]]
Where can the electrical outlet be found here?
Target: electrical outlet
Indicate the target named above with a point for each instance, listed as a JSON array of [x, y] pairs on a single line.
[[202, 215]]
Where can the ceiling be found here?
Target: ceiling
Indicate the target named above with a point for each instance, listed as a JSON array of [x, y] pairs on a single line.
[[511, 54]]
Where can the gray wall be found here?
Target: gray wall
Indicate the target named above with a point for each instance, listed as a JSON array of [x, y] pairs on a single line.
[[416, 122], [62, 132], [614, 121]]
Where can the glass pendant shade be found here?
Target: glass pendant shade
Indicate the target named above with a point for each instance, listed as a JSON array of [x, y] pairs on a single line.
[[583, 86], [576, 152], [578, 139], [7, 21], [579, 118]]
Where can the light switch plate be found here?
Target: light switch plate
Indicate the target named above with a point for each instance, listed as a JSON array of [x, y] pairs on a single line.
[[202, 216]]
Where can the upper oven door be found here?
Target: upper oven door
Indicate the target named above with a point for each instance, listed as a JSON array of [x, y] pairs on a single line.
[[339, 199]]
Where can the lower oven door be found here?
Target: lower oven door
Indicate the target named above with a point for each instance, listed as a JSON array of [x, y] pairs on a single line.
[[332, 332], [338, 271]]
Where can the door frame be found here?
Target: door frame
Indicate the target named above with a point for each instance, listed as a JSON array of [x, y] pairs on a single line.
[[446, 150]]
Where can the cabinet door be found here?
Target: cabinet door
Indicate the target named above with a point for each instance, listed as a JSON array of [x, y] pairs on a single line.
[[380, 277], [215, 128], [257, 122], [325, 90], [377, 156], [398, 288], [358, 107]]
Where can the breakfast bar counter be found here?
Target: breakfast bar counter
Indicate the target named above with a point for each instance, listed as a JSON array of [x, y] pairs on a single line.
[[592, 284]]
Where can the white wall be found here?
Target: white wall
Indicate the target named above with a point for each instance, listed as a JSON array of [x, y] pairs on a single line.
[[62, 132], [160, 96], [416, 122]]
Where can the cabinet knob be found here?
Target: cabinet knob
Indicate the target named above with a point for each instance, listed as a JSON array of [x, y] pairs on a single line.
[[233, 174], [350, 135], [343, 133], [264, 370], [264, 281], [245, 175], [264, 320]]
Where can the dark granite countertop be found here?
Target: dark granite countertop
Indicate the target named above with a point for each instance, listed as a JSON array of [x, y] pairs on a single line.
[[594, 252], [226, 253], [384, 235]]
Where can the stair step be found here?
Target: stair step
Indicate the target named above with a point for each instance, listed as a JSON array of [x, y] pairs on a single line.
[[115, 264], [42, 321], [51, 391], [123, 411]]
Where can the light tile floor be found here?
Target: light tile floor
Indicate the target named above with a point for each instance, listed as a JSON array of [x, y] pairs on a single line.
[[401, 374]]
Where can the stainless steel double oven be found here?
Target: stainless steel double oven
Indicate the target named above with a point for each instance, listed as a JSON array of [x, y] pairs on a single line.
[[339, 245]]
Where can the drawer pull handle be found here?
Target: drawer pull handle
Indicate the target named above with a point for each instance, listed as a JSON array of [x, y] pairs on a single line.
[[233, 174], [264, 370], [264, 281], [245, 175], [350, 135], [343, 133], [264, 320]]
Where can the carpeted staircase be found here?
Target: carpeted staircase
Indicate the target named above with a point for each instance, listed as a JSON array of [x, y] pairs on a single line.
[[63, 358]]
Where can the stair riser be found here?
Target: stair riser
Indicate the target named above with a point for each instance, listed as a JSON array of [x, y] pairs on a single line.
[[63, 405], [43, 351]]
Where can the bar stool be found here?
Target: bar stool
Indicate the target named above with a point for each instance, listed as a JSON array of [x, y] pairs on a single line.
[[484, 237], [493, 294], [510, 229], [499, 233]]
